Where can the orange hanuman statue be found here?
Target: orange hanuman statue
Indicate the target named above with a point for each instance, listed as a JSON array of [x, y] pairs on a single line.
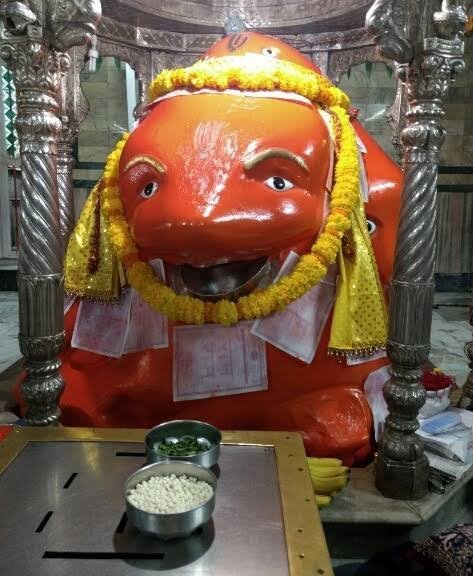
[[226, 174]]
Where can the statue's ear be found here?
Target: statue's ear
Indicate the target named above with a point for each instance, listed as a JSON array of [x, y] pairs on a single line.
[[91, 268]]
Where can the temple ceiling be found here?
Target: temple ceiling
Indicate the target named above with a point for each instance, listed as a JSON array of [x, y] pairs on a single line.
[[209, 16]]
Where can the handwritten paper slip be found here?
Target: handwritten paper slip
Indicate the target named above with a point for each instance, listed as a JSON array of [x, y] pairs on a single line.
[[103, 328], [364, 186], [217, 361], [297, 329], [373, 387], [328, 123], [148, 329], [68, 302]]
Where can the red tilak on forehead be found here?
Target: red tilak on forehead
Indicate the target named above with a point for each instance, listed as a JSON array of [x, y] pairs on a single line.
[[237, 41]]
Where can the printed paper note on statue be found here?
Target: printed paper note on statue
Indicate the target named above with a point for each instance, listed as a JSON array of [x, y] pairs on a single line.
[[297, 329], [102, 328], [148, 329], [326, 117], [217, 361]]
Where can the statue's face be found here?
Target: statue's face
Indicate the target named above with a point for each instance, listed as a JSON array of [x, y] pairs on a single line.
[[215, 178], [220, 184]]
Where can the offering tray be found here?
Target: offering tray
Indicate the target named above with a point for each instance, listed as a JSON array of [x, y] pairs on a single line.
[[63, 511]]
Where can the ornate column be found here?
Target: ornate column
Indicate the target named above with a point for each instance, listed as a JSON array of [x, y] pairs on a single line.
[[74, 109], [430, 44], [396, 114], [65, 164], [33, 39]]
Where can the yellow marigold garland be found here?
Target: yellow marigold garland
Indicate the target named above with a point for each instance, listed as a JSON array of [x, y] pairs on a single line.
[[250, 73], [237, 72]]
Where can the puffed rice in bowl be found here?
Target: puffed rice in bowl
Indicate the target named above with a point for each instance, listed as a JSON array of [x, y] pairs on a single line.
[[170, 499]]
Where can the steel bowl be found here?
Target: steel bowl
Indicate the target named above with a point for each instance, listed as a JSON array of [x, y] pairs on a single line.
[[168, 526], [205, 434]]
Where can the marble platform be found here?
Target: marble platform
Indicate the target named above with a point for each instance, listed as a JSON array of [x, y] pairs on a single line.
[[361, 522]]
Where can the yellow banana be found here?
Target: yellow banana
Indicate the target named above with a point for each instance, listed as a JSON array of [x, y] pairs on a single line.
[[321, 462], [328, 486], [328, 471], [323, 500]]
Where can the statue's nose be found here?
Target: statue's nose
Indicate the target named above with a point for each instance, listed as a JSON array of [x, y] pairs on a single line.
[[205, 232]]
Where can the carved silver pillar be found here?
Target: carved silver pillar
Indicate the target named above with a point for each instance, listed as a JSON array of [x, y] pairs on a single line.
[[74, 109], [396, 114], [431, 45], [65, 164], [34, 37]]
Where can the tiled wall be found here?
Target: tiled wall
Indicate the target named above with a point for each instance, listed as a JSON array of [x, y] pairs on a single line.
[[455, 218], [371, 87], [105, 90]]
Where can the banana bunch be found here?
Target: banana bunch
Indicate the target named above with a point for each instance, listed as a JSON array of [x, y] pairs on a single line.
[[329, 477]]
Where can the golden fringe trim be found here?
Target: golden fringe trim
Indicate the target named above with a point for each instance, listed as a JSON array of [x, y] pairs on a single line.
[[99, 298], [357, 352]]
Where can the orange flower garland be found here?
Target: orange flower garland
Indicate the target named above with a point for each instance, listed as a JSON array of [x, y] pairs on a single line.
[[236, 72]]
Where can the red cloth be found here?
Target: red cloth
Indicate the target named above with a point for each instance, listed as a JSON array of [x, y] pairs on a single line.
[[4, 431]]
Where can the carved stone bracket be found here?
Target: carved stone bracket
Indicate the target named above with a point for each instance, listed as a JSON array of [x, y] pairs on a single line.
[[139, 58], [388, 22], [162, 60], [341, 61], [430, 65], [320, 59], [396, 114]]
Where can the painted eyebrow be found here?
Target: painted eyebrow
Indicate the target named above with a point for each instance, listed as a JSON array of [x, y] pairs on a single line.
[[156, 164], [275, 153]]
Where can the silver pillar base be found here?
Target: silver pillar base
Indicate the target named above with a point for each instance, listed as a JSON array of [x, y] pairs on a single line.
[[402, 480], [41, 339]]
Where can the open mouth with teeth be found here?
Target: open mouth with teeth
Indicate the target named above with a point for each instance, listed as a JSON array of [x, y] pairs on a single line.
[[229, 281]]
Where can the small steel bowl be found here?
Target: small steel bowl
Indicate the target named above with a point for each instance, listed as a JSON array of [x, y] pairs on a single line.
[[202, 432], [168, 526]]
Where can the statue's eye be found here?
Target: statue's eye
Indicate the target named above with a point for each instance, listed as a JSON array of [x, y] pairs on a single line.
[[270, 52], [149, 190], [279, 183], [371, 226]]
